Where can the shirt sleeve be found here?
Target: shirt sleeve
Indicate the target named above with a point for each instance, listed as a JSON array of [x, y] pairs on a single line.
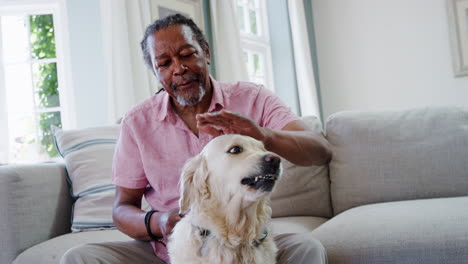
[[127, 166], [276, 115]]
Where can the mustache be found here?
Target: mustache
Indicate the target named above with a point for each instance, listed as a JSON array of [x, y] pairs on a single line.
[[194, 77]]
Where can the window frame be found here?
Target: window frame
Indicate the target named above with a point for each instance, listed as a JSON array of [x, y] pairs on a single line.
[[62, 52], [260, 44], [62, 59]]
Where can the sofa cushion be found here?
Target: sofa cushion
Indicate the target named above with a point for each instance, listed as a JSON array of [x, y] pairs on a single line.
[[88, 156], [34, 206], [397, 155], [50, 252], [418, 231], [295, 224], [303, 191]]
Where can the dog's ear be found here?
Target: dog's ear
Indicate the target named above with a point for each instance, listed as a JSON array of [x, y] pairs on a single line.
[[192, 182]]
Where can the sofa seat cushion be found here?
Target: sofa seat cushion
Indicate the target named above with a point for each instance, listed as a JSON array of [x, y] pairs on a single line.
[[295, 224], [50, 252], [419, 231]]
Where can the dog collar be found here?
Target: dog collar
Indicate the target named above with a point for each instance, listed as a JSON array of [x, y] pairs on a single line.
[[257, 242]]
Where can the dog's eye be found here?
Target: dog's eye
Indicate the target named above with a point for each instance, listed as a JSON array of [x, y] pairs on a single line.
[[235, 150]]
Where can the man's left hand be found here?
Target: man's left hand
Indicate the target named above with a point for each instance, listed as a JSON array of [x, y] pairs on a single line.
[[227, 122]]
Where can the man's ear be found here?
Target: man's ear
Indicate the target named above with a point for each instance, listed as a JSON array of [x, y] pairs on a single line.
[[206, 50], [192, 182]]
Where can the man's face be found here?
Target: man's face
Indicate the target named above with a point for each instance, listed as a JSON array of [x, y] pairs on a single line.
[[180, 63]]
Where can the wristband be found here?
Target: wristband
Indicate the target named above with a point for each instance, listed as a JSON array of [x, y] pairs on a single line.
[[148, 228]]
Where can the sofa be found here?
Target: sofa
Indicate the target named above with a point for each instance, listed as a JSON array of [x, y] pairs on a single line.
[[396, 191]]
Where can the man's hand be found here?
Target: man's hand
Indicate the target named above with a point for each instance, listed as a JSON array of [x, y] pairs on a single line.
[[130, 219], [166, 222], [227, 122]]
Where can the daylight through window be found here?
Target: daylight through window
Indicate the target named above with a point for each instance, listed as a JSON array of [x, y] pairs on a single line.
[[31, 86], [252, 17]]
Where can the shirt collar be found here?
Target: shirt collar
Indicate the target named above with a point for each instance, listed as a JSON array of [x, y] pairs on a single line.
[[164, 110], [217, 99]]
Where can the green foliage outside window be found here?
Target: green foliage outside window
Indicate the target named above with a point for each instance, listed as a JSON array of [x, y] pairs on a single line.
[[45, 77]]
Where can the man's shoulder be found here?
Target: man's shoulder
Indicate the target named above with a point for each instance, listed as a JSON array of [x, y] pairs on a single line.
[[241, 89], [140, 108], [143, 109]]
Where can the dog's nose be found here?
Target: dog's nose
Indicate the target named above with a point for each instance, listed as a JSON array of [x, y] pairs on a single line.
[[272, 160]]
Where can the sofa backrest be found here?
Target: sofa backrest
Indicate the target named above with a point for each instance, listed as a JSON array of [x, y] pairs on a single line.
[[303, 191], [35, 206], [397, 155]]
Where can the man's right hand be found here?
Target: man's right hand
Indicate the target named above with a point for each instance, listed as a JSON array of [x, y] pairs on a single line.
[[165, 221], [130, 219]]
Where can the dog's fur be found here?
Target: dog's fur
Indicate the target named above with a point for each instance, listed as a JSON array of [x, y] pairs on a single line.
[[221, 193]]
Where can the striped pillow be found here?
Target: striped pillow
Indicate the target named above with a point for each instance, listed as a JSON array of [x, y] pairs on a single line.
[[88, 156]]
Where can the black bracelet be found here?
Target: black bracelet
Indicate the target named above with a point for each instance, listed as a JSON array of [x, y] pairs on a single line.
[[148, 228]]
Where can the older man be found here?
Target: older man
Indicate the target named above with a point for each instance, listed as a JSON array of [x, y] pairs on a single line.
[[161, 133]]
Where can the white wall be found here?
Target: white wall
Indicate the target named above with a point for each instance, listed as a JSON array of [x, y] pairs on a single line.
[[86, 51], [385, 55]]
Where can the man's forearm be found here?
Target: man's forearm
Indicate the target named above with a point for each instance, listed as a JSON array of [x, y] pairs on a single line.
[[304, 148], [130, 220]]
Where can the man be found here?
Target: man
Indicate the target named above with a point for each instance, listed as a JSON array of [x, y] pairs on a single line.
[[160, 134]]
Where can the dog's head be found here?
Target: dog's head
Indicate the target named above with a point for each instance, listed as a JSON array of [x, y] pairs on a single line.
[[230, 166]]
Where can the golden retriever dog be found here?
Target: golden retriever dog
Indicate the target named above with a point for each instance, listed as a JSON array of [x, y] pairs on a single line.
[[225, 191]]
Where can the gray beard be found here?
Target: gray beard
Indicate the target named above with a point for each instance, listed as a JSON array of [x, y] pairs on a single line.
[[194, 100]]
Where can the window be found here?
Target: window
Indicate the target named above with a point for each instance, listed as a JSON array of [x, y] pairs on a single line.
[[31, 85], [253, 26]]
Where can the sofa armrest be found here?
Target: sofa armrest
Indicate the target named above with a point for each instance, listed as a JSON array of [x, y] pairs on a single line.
[[35, 206]]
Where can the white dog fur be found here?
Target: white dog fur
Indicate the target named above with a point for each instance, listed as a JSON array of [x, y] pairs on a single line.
[[217, 198]]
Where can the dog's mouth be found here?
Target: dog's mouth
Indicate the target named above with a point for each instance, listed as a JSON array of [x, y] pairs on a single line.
[[264, 182]]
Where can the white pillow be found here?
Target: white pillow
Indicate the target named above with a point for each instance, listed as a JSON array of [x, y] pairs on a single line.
[[88, 157]]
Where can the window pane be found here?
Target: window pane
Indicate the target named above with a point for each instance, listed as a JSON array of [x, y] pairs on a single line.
[[46, 84], [21, 117], [22, 137], [14, 39], [253, 21], [19, 88], [46, 120], [42, 36], [240, 17], [255, 66], [256, 63]]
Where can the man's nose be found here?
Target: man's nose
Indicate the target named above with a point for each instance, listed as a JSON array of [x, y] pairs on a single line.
[[179, 67]]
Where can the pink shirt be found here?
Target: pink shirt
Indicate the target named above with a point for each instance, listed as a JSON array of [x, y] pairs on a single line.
[[154, 142]]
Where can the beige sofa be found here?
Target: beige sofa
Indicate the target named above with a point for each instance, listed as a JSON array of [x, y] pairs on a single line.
[[396, 191]]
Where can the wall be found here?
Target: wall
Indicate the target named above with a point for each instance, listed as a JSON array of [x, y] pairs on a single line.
[[86, 51], [380, 54]]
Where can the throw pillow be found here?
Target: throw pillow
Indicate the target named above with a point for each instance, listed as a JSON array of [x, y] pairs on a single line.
[[88, 157]]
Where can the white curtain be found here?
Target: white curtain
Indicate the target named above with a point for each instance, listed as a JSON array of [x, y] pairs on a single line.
[[308, 97], [128, 80], [4, 137], [227, 47]]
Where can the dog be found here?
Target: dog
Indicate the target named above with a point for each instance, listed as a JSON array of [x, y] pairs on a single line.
[[225, 191]]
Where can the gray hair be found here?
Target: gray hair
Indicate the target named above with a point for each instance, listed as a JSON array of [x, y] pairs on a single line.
[[164, 23]]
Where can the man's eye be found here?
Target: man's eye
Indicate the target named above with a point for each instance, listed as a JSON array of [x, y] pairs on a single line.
[[187, 55], [235, 150], [163, 64]]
